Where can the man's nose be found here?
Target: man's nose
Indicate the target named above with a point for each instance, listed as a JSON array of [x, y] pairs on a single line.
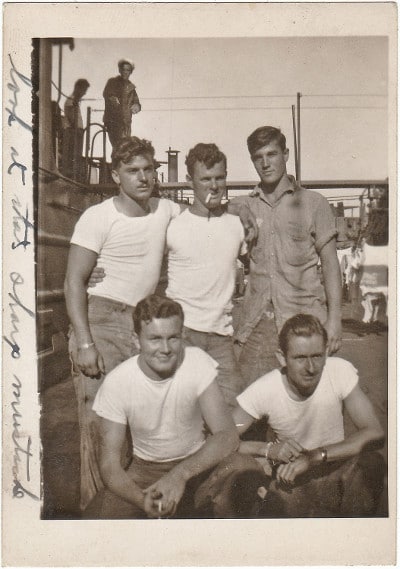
[[214, 184], [265, 162], [142, 175], [310, 365], [165, 347]]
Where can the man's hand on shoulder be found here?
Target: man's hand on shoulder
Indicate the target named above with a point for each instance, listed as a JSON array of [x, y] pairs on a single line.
[[248, 219], [250, 226]]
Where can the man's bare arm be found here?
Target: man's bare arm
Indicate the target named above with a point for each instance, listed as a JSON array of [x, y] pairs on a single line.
[[369, 434], [222, 442], [363, 415], [281, 451], [80, 264], [112, 436], [239, 206], [333, 290]]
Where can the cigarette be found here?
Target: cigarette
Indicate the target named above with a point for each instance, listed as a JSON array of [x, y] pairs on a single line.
[[159, 507], [239, 425], [208, 198]]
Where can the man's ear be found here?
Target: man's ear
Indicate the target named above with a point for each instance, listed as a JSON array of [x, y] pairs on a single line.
[[136, 340], [115, 177], [281, 358], [286, 154]]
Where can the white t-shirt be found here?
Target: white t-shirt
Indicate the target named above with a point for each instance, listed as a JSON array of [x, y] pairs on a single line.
[[164, 416], [130, 249], [202, 255], [315, 422]]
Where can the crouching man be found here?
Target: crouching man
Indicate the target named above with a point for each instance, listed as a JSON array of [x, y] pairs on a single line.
[[316, 470], [167, 394]]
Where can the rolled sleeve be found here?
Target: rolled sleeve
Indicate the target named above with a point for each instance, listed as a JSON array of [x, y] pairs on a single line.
[[109, 401], [90, 230], [249, 401], [325, 228]]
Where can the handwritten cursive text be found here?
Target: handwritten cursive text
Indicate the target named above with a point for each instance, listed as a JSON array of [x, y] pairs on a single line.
[[19, 491], [17, 280]]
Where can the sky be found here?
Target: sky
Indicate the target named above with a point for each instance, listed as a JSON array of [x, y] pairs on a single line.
[[220, 89]]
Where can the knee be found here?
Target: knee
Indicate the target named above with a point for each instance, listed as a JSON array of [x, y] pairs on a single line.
[[373, 467], [242, 495]]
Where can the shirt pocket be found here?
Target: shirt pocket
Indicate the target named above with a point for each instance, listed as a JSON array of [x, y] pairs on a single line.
[[296, 244]]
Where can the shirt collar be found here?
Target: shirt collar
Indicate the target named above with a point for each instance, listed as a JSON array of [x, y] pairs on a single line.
[[287, 185]]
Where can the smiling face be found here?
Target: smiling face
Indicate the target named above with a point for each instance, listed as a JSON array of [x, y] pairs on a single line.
[[270, 163], [125, 71], [161, 347], [209, 185], [305, 360], [136, 178]]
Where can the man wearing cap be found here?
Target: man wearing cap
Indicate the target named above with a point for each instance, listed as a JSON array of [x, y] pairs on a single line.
[[121, 102]]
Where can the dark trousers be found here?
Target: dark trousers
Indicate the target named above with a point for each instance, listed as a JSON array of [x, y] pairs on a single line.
[[350, 488]]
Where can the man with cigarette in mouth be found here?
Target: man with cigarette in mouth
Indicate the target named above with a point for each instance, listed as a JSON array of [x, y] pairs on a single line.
[[203, 244], [166, 395], [122, 241], [317, 470]]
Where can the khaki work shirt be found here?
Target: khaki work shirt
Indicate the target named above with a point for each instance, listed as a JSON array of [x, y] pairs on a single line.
[[283, 264]]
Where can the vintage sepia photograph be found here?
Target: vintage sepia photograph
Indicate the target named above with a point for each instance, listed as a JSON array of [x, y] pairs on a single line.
[[198, 295]]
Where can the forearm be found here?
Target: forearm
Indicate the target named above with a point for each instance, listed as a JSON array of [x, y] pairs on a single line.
[[254, 448], [234, 206], [350, 447], [118, 481], [333, 286], [76, 301], [216, 448]]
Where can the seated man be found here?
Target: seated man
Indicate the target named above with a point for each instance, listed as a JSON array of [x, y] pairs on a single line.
[[317, 471], [167, 394]]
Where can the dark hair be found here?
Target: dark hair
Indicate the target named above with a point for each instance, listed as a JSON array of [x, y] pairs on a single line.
[[208, 154], [122, 62], [129, 147], [265, 135], [81, 83], [301, 325], [154, 306], [243, 496]]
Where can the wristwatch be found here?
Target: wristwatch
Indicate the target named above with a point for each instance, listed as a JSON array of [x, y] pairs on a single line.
[[324, 454]]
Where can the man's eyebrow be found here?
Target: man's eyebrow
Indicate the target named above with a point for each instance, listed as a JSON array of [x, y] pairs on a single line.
[[317, 354]]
